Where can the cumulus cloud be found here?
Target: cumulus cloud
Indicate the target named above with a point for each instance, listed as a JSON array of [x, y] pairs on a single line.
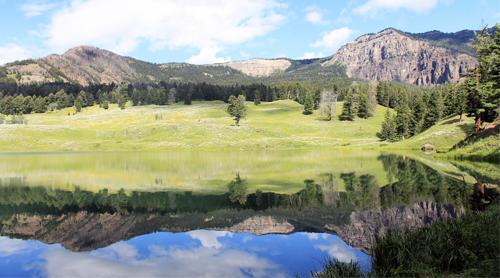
[[209, 238], [121, 26], [311, 55], [374, 7], [334, 39], [12, 52], [315, 15], [36, 8], [207, 56]]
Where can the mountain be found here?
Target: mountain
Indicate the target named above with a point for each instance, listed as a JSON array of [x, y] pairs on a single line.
[[392, 56], [423, 59]]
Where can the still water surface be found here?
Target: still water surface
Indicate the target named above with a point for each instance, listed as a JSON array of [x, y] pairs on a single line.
[[227, 214]]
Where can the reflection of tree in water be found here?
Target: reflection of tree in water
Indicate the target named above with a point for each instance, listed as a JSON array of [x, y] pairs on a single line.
[[362, 191], [418, 182], [238, 190]]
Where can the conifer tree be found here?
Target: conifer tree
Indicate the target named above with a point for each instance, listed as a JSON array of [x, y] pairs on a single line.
[[348, 109], [416, 116], [237, 108], [403, 115], [388, 127], [433, 111], [308, 105], [256, 100], [364, 110], [122, 102]]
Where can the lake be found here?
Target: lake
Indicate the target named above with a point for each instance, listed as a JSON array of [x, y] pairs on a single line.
[[227, 213]]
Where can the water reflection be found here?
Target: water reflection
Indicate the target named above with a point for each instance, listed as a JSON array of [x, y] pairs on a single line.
[[239, 231]]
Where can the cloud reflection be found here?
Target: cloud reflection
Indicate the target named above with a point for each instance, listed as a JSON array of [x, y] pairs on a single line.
[[209, 238], [339, 250], [10, 246], [124, 260]]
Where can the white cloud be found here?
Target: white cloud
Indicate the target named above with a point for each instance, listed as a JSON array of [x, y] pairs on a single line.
[[10, 247], [209, 238], [36, 8], [311, 55], [121, 26], [12, 52], [207, 56], [374, 7], [315, 15], [334, 39]]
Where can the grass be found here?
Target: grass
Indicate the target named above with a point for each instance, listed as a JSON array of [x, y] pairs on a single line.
[[201, 126], [206, 126]]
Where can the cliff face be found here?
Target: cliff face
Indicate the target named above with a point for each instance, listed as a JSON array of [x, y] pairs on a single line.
[[259, 67], [366, 225], [390, 56]]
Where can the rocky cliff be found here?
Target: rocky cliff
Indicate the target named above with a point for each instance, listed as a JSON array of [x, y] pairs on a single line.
[[259, 67], [391, 56]]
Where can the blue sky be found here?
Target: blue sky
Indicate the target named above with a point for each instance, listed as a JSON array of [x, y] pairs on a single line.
[[212, 31]]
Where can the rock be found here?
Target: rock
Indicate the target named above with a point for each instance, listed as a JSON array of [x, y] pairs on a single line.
[[259, 67], [391, 56]]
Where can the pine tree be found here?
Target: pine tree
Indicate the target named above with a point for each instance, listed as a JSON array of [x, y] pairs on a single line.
[[237, 108], [122, 102], [256, 100], [433, 111], [308, 105], [364, 110], [348, 109], [105, 104], [187, 101], [388, 127], [416, 116], [483, 83], [78, 104], [403, 115]]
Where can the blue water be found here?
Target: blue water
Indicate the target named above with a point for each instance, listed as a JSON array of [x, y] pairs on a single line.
[[197, 253]]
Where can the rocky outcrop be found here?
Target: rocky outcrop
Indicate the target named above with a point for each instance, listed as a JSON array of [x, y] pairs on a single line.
[[366, 225], [261, 226], [259, 67], [391, 56]]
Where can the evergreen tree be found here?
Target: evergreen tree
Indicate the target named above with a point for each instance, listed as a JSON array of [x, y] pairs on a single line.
[[449, 101], [416, 116], [433, 110], [256, 100], [237, 108], [122, 102], [364, 110], [308, 105], [187, 101], [483, 85], [461, 101], [105, 104], [388, 131], [78, 104], [403, 115], [348, 109]]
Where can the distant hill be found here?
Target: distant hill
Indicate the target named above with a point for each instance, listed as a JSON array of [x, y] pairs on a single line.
[[423, 59]]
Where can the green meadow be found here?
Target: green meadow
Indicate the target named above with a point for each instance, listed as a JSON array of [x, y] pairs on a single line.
[[206, 126]]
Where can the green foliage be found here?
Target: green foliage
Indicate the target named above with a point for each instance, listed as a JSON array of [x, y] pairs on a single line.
[[349, 107], [364, 110], [237, 108], [433, 110], [105, 104], [334, 268], [122, 102], [483, 86], [238, 190], [308, 106], [466, 246], [256, 101], [388, 131]]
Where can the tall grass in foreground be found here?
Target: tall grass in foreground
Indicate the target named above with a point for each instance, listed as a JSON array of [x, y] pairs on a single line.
[[335, 268], [468, 246]]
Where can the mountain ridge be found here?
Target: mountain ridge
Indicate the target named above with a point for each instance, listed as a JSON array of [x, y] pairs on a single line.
[[389, 55]]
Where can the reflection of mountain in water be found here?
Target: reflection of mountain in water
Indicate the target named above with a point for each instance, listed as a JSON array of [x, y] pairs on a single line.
[[82, 220]]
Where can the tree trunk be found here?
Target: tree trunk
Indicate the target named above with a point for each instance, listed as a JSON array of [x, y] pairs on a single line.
[[477, 124]]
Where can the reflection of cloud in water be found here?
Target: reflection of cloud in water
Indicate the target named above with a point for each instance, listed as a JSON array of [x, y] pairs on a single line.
[[124, 261], [209, 238], [247, 238], [339, 250], [10, 247], [315, 236]]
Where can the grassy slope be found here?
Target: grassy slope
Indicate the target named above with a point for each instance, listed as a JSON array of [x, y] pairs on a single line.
[[204, 125], [443, 135]]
